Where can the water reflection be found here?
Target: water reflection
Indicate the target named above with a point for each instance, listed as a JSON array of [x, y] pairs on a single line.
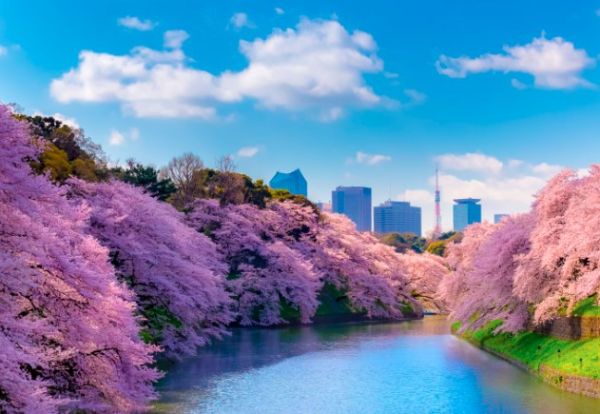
[[412, 367]]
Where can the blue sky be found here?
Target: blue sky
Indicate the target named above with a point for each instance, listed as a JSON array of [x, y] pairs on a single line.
[[499, 94]]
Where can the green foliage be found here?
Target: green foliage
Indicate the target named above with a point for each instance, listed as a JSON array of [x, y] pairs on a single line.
[[54, 161], [233, 275], [147, 177], [580, 357], [437, 247], [284, 195], [448, 235], [455, 326], [407, 309], [587, 307], [288, 311], [404, 241], [156, 319], [333, 301], [68, 151]]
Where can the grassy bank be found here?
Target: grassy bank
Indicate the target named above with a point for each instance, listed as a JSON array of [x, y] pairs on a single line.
[[580, 358]]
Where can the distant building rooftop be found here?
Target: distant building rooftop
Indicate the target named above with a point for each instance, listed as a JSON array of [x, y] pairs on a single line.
[[467, 200]]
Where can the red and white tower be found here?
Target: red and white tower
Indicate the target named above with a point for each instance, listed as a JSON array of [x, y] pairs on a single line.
[[437, 231]]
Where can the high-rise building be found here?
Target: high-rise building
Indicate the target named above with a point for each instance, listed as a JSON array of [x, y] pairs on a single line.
[[397, 216], [293, 181], [354, 202], [466, 211], [498, 217]]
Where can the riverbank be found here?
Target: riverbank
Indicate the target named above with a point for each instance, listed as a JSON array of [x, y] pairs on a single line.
[[571, 365]]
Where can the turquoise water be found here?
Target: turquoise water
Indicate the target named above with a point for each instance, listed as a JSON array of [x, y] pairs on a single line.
[[409, 367]]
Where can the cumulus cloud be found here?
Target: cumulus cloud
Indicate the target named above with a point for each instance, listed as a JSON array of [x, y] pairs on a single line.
[[247, 152], [317, 67], [240, 20], [279, 10], [132, 22], [545, 169], [507, 189], [553, 63], [116, 138], [173, 39], [370, 159], [469, 162], [3, 50]]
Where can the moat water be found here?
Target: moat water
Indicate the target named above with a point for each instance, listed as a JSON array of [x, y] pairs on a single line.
[[407, 367]]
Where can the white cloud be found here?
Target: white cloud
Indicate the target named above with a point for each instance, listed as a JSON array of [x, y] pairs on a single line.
[[553, 63], [240, 20], [514, 163], [507, 194], [247, 152], [370, 159], [470, 162], [116, 138], [331, 114], [136, 23], [3, 50], [69, 121], [508, 187], [546, 170], [417, 197], [173, 39], [279, 10], [317, 67]]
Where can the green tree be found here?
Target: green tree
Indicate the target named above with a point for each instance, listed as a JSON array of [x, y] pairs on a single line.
[[68, 151], [404, 241], [146, 176]]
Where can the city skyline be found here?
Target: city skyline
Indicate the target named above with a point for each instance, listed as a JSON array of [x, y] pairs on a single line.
[[397, 217], [408, 99], [356, 203]]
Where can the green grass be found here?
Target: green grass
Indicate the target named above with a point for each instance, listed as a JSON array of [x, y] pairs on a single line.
[[587, 307], [455, 326], [532, 349]]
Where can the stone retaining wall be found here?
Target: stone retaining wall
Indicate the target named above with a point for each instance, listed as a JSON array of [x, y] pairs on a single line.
[[572, 383], [572, 328]]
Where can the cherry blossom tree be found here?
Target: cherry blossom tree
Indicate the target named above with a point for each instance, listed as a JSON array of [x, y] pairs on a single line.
[[425, 273], [460, 257], [263, 272], [372, 272], [488, 274], [283, 255], [562, 266], [67, 332], [175, 272]]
